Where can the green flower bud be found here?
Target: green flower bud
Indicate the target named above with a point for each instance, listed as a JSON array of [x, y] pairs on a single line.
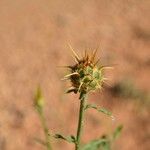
[[39, 100]]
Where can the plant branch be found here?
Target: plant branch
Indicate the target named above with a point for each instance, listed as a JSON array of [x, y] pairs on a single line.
[[45, 129]]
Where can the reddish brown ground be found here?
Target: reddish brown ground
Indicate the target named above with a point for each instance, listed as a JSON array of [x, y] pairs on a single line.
[[33, 42]]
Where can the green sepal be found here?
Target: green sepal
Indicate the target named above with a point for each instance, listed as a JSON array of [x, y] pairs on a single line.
[[89, 70], [96, 74]]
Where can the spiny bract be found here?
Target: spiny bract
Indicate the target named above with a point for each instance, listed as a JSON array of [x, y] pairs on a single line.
[[85, 75]]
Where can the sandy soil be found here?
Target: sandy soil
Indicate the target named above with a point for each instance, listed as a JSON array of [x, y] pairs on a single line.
[[33, 43]]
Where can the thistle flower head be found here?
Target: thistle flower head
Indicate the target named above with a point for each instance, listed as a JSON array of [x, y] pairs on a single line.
[[85, 76]]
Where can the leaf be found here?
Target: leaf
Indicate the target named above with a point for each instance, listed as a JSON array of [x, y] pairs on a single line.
[[97, 144], [106, 146], [117, 132], [70, 139], [103, 110], [103, 143]]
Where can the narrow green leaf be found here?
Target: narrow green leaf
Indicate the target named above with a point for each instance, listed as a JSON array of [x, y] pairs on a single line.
[[96, 144], [70, 139], [90, 106], [103, 143], [117, 132], [106, 146], [103, 110]]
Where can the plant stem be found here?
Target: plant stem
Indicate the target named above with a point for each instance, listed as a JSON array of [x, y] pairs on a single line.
[[45, 129], [80, 122]]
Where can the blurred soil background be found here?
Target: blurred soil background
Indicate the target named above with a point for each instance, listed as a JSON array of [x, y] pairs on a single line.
[[33, 42]]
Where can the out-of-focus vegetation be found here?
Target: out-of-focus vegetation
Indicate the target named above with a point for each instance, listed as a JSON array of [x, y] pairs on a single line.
[[34, 36], [126, 89]]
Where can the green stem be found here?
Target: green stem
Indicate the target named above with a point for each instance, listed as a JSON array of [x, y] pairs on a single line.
[[45, 129], [80, 122]]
